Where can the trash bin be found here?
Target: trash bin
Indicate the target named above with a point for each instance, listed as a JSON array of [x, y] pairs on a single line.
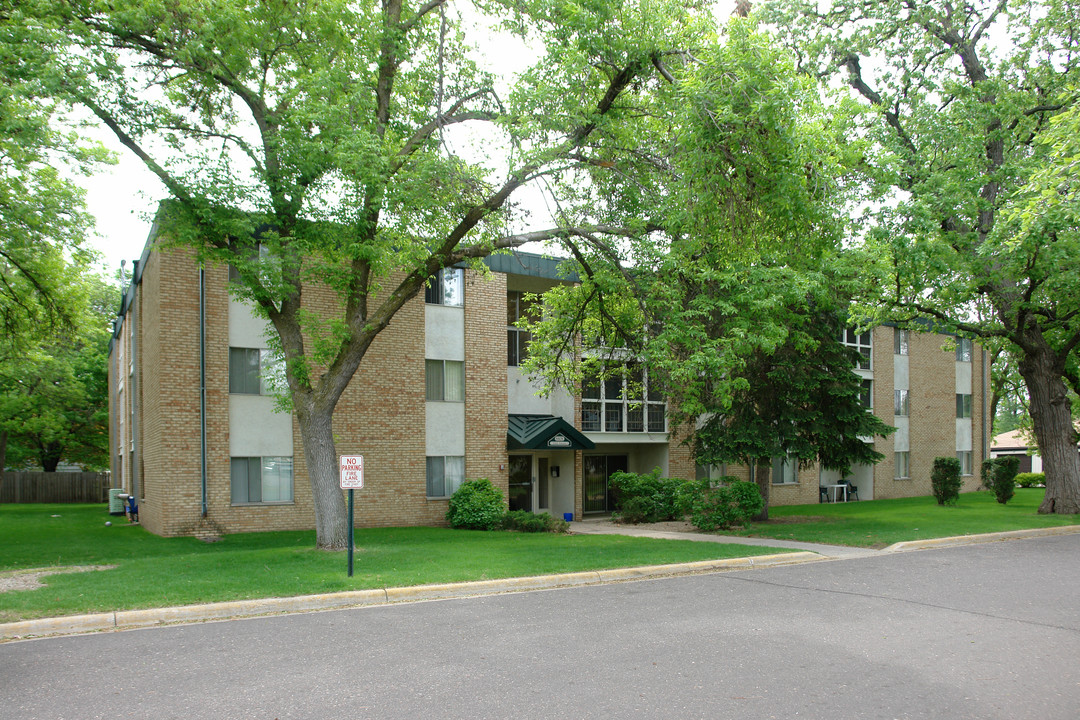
[[568, 517], [116, 503]]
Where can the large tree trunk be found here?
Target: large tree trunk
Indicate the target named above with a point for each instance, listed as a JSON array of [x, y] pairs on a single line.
[[1051, 418], [763, 478], [331, 521]]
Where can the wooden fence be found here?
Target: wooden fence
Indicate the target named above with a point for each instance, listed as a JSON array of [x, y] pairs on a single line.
[[60, 487]]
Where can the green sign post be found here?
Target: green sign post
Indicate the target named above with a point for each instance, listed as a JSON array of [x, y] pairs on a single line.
[[351, 469]]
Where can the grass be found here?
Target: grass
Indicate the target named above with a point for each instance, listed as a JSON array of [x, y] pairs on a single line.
[[156, 572], [880, 523]]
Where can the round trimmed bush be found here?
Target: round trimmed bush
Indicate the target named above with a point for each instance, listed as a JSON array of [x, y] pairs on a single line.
[[476, 505]]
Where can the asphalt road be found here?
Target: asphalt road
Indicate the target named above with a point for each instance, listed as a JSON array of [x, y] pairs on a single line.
[[982, 631]]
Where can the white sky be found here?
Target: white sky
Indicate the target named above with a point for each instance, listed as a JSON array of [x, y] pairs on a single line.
[[122, 197]]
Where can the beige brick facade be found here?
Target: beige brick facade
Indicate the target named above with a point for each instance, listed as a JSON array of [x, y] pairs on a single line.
[[382, 413]]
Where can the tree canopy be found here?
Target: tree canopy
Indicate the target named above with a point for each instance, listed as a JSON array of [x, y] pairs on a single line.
[[965, 130], [43, 221], [324, 134], [54, 398]]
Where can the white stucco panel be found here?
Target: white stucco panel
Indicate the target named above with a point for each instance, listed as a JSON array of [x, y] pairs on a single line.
[[901, 374], [963, 378], [445, 427], [246, 329], [445, 332], [255, 430]]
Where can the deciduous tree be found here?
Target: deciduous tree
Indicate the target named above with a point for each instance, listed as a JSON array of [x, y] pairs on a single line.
[[968, 130], [321, 131]]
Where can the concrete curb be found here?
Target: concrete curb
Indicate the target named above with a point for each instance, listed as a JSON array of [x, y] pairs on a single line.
[[983, 538], [132, 619]]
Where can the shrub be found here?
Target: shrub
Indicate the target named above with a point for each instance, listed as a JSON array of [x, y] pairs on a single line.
[[649, 497], [945, 480], [476, 505], [525, 521], [718, 508], [1003, 479], [1028, 480], [637, 509]]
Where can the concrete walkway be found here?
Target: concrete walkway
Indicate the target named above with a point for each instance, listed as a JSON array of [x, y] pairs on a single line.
[[800, 553], [604, 526]]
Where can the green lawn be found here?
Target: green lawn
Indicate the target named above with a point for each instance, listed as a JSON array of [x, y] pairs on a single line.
[[880, 523], [157, 572]]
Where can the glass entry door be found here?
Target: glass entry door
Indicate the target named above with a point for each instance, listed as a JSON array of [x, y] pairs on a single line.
[[520, 486], [597, 495]]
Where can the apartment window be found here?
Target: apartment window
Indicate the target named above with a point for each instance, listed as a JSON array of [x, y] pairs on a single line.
[[446, 287], [444, 475], [866, 394], [902, 404], [963, 350], [964, 456], [258, 480], [784, 470], [715, 474], [519, 305], [624, 402], [900, 341], [963, 405], [902, 465], [244, 367], [445, 380], [860, 342]]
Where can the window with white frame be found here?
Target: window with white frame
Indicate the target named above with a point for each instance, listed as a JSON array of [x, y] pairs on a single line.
[[445, 380], [444, 475], [519, 305], [963, 350], [624, 402], [900, 341], [964, 456], [446, 287], [260, 480], [715, 474], [785, 470], [902, 403], [963, 405], [860, 342], [902, 465], [866, 394], [245, 365]]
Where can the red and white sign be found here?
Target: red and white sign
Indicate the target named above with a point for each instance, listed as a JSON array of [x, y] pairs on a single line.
[[352, 472]]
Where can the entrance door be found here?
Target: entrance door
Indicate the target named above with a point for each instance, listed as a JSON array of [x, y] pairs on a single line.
[[520, 489], [597, 494]]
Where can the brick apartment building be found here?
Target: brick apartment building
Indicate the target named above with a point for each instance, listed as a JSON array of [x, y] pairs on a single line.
[[439, 398]]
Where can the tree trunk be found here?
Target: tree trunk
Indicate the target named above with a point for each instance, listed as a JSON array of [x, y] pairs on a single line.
[[763, 477], [331, 521], [1051, 418]]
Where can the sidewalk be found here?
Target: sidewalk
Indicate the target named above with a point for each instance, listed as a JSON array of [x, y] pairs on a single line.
[[604, 526], [800, 553]]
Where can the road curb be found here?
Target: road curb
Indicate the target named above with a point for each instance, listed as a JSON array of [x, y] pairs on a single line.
[[134, 619], [981, 538]]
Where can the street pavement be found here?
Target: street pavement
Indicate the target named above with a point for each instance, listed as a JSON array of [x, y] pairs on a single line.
[[983, 630]]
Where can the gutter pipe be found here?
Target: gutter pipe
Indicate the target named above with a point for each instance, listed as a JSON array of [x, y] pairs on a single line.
[[202, 384]]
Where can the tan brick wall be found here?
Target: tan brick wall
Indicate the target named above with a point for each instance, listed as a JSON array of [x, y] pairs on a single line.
[[381, 415], [485, 379], [932, 420]]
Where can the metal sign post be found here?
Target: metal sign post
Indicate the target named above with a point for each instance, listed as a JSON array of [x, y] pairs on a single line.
[[351, 470]]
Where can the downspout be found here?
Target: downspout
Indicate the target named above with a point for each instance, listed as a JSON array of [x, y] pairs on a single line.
[[133, 318], [202, 382], [985, 419]]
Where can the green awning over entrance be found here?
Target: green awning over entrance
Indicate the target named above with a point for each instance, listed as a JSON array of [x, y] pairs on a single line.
[[544, 432]]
